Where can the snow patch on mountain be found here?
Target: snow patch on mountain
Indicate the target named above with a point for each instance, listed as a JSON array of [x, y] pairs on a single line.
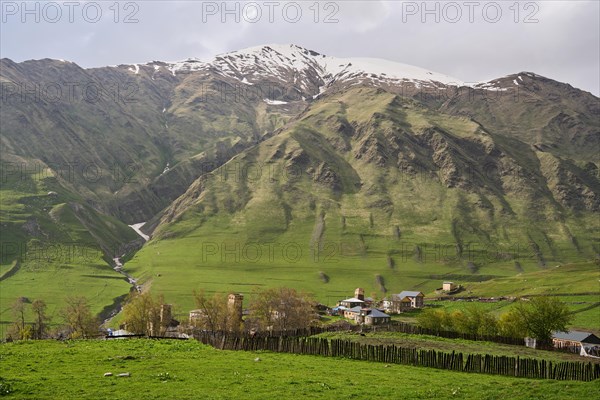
[[137, 228], [385, 70], [275, 102], [189, 65]]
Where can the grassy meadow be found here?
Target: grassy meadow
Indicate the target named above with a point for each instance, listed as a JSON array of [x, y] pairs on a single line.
[[189, 370]]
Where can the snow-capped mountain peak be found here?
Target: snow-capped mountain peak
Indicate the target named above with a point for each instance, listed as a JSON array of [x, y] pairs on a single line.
[[306, 71], [272, 58], [277, 61]]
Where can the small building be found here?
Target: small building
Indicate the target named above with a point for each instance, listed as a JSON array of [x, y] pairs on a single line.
[[234, 308], [322, 309], [448, 286], [403, 301], [357, 300], [339, 310], [575, 339], [359, 293], [376, 317], [367, 316], [351, 313], [196, 315], [352, 302]]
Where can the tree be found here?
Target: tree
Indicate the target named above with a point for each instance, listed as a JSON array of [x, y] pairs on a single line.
[[213, 313], [141, 314], [18, 330], [282, 309], [474, 321], [510, 324], [18, 309], [434, 319], [40, 330], [541, 316], [488, 324], [78, 318], [461, 322]]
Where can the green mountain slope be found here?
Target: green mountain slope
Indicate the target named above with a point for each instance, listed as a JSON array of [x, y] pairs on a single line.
[[114, 147], [112, 133], [371, 189], [54, 244]]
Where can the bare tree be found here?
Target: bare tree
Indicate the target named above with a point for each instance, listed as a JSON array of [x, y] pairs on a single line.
[[282, 309], [19, 330], [79, 319], [40, 330], [141, 314], [212, 312]]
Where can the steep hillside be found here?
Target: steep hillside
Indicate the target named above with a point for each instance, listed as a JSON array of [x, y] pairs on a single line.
[[54, 244], [369, 188], [130, 141]]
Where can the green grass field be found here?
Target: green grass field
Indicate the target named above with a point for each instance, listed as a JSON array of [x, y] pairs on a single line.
[[578, 285], [217, 276], [180, 370]]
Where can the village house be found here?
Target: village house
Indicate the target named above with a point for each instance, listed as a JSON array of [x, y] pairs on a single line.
[[376, 317], [367, 316], [575, 339], [403, 301], [195, 315], [357, 300], [352, 302], [351, 313], [358, 309], [448, 286]]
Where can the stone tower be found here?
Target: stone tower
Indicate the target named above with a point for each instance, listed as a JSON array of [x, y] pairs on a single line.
[[234, 306], [158, 328], [359, 293], [165, 314]]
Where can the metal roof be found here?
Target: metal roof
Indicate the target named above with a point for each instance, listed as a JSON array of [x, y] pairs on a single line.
[[407, 293], [577, 336], [375, 313], [353, 300]]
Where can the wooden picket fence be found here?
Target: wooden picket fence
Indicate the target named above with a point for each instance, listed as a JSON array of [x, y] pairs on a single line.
[[476, 363]]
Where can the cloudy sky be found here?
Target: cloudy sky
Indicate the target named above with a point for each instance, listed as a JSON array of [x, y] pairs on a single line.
[[469, 40]]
